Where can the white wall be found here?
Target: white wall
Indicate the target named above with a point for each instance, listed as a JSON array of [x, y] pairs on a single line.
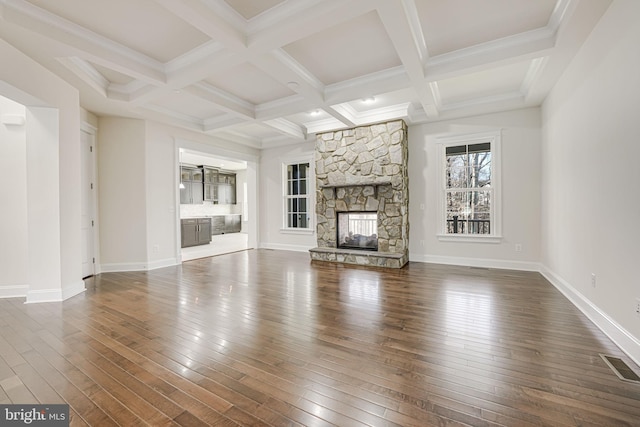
[[53, 106], [122, 194], [521, 142], [138, 190], [271, 202], [13, 199], [161, 188], [591, 172]]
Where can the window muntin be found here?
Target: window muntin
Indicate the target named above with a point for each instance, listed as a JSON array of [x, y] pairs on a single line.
[[297, 204], [470, 187]]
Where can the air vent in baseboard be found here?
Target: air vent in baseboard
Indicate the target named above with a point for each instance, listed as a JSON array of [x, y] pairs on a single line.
[[620, 368]]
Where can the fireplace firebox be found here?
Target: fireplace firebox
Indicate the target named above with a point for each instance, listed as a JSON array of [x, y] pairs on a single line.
[[358, 230]]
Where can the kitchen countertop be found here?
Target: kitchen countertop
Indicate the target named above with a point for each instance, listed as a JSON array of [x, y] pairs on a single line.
[[207, 216]]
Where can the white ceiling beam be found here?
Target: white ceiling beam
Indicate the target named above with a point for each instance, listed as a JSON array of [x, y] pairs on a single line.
[[401, 29], [164, 115], [288, 128], [343, 114], [371, 84], [182, 75], [508, 50], [91, 46], [304, 22], [574, 21], [87, 73], [288, 72], [223, 100], [197, 14]]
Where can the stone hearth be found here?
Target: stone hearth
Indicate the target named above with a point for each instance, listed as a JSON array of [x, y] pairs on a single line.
[[364, 169]]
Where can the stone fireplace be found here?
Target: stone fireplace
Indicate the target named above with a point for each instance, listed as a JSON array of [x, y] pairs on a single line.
[[362, 195]]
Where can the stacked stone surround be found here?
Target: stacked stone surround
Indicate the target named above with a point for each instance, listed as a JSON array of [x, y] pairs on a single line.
[[364, 169]]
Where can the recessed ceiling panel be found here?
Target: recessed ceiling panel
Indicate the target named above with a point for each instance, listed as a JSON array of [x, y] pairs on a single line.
[[249, 83], [496, 81], [251, 8], [455, 24], [142, 25], [351, 49]]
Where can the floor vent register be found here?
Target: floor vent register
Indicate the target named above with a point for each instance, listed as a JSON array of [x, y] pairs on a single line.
[[620, 368]]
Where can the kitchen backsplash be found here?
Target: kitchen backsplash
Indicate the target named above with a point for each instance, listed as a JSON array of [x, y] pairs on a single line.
[[206, 209]]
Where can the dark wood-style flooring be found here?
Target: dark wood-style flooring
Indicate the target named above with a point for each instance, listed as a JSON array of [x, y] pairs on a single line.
[[268, 338]]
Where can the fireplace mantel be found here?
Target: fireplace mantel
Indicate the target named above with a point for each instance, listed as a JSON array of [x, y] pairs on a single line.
[[374, 184]]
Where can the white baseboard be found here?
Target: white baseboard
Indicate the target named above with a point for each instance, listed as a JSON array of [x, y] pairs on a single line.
[[44, 295], [137, 266], [123, 266], [13, 291], [477, 262], [620, 336], [161, 263], [73, 290], [283, 247]]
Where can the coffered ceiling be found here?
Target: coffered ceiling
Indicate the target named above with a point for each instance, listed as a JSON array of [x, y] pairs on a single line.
[[272, 72]]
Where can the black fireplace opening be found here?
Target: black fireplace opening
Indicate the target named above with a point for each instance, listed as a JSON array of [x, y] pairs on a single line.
[[358, 230]]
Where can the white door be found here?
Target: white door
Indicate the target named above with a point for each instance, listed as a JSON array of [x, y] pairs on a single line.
[[87, 199]]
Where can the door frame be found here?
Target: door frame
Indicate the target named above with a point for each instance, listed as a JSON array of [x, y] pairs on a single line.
[[92, 131]]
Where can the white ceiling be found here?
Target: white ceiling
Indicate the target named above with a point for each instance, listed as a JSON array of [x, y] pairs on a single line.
[[269, 72]]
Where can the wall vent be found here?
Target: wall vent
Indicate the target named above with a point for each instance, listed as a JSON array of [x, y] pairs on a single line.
[[620, 368]]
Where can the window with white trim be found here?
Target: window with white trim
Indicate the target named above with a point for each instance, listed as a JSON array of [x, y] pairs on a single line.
[[470, 187], [297, 196]]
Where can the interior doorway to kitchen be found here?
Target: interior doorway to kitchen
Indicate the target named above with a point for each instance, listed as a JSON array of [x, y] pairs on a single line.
[[216, 194]]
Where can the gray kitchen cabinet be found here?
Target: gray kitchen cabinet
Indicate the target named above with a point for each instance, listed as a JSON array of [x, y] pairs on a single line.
[[226, 184], [210, 184], [192, 180], [195, 231], [225, 224], [232, 224], [218, 224]]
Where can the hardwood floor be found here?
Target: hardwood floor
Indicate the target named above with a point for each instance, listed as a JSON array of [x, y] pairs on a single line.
[[268, 338]]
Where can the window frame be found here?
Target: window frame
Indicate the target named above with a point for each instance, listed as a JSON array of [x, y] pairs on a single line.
[[495, 211], [310, 196]]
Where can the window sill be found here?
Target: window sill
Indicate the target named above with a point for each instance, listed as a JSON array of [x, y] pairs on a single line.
[[307, 231], [467, 238]]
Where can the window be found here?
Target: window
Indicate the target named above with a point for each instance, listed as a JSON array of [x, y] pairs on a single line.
[[470, 187], [297, 199]]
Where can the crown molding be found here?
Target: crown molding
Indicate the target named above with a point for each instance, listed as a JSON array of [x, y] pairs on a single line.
[[492, 99], [534, 71]]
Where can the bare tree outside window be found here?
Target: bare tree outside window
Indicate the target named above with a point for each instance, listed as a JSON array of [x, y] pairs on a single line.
[[468, 189]]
